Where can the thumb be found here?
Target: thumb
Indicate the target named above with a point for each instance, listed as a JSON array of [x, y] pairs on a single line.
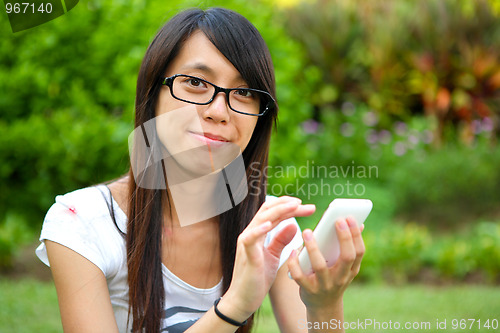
[[281, 239]]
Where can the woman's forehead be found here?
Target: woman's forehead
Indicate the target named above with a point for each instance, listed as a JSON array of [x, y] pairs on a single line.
[[198, 55]]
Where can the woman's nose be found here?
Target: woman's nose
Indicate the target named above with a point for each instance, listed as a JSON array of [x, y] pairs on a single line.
[[218, 110]]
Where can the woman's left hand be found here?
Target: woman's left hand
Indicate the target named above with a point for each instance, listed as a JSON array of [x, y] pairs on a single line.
[[322, 290]]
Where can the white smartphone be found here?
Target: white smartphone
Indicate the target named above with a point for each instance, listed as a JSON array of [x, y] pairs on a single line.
[[326, 234]]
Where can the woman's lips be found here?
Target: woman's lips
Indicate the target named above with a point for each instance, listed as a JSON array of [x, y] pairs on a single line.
[[209, 139]]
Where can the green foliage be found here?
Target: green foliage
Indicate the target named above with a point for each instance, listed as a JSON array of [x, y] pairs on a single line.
[[50, 155], [13, 233], [394, 253], [404, 57], [401, 253], [456, 259], [70, 88], [487, 249], [345, 70], [478, 251], [448, 186]]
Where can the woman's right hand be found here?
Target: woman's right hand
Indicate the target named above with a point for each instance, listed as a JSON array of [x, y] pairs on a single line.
[[255, 265]]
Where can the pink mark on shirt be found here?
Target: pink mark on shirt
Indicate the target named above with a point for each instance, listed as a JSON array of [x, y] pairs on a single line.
[[72, 210]]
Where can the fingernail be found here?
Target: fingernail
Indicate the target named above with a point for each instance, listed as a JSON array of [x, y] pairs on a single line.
[[308, 235], [293, 254], [293, 203], [342, 224], [309, 206], [265, 225]]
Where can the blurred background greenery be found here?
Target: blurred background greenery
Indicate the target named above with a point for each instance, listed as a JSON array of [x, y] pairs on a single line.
[[410, 88]]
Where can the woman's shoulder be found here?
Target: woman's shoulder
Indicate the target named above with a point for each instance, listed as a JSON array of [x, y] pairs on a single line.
[[82, 220], [90, 209], [89, 202]]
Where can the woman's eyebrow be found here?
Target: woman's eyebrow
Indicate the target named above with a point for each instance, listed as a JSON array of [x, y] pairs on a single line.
[[199, 66], [204, 68]]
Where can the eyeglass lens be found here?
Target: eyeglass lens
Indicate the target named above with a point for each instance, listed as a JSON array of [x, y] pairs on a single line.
[[198, 91]]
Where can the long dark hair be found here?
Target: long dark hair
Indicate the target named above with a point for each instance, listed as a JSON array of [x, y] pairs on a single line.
[[240, 42]]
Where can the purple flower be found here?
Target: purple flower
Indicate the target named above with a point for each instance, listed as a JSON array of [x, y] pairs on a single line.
[[413, 140], [400, 128], [310, 126], [476, 126], [427, 136], [370, 119], [348, 109], [487, 124], [371, 137], [399, 148], [384, 136], [346, 129]]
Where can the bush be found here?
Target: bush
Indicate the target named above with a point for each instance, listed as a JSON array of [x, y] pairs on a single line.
[[395, 253], [486, 240], [449, 186], [71, 90], [402, 253], [403, 58], [13, 232]]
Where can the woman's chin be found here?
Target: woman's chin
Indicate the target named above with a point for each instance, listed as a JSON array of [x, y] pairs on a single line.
[[185, 168]]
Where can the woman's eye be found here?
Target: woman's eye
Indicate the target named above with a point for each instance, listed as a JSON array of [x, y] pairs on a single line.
[[244, 93], [194, 82]]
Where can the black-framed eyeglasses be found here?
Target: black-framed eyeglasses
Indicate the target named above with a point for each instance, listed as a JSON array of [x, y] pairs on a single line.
[[192, 89]]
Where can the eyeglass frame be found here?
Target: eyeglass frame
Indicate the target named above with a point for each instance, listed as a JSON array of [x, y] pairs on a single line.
[[168, 81]]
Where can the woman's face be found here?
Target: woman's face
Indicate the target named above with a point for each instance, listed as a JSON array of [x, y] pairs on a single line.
[[212, 128]]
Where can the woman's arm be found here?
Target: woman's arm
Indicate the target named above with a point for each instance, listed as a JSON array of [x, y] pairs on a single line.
[[82, 292], [288, 308], [255, 266]]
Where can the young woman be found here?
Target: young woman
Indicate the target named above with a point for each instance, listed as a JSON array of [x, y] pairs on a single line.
[[125, 261]]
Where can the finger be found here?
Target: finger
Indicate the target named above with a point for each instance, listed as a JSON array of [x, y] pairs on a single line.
[[304, 210], [301, 210], [359, 245], [281, 239], [277, 213], [250, 238], [296, 272], [273, 201], [347, 250], [274, 211], [318, 262], [361, 228], [273, 208]]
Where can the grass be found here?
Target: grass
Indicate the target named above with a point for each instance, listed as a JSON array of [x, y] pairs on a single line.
[[28, 305], [422, 303], [417, 304]]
